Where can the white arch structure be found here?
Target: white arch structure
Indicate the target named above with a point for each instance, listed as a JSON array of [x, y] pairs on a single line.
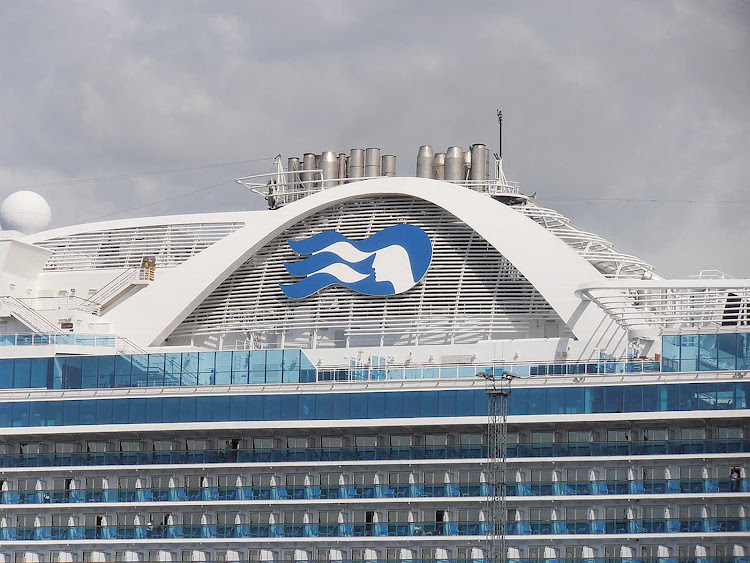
[[549, 264]]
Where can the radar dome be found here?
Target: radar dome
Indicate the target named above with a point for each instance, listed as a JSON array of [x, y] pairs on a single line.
[[24, 211]]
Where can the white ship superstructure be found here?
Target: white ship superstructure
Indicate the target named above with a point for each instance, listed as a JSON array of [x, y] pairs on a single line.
[[309, 382]]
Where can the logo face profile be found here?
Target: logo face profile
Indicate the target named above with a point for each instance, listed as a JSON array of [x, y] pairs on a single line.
[[389, 262]]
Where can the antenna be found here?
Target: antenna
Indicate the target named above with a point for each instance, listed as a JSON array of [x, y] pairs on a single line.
[[500, 134]]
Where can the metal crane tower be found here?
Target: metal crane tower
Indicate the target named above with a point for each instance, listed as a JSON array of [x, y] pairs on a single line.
[[498, 390]]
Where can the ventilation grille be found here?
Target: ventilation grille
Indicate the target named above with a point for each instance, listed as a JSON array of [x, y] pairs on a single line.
[[469, 293], [125, 248]]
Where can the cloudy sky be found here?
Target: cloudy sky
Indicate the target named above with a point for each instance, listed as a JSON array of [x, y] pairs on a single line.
[[630, 117]]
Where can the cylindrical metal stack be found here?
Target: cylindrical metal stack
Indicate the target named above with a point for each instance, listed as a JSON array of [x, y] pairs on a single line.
[[424, 161], [329, 166], [438, 166], [343, 172], [357, 163], [454, 164], [478, 171], [308, 164], [293, 166], [372, 162], [389, 165]]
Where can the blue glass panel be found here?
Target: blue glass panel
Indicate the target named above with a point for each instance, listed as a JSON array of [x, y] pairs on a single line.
[[574, 400], [291, 366], [255, 407], [595, 400], [412, 404], [375, 406], [204, 409], [707, 352], [258, 366], [358, 404], [104, 411], [223, 368], [206, 368], [393, 405], [725, 398], [613, 399], [156, 370], [323, 406], [743, 351], [429, 403], [87, 412], [237, 408], [72, 372], [190, 368], [272, 407], [464, 403], [105, 372], [22, 373], [670, 348], [6, 415], [137, 410], [120, 411], [171, 409], [742, 395], [54, 413], [289, 407], [306, 407], [274, 360], [57, 373], [240, 366], [172, 369], [20, 416], [37, 415], [154, 410], [447, 403], [688, 352], [518, 401], [727, 349], [139, 370], [122, 371], [273, 376], [652, 397], [71, 412], [187, 409], [633, 398], [6, 374], [89, 372], [307, 369], [40, 372], [341, 406], [555, 400], [537, 401]]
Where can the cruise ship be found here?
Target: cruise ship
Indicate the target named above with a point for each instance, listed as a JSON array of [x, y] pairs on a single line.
[[431, 369]]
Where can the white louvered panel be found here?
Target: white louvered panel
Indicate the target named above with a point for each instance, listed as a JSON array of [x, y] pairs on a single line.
[[469, 292], [125, 248]]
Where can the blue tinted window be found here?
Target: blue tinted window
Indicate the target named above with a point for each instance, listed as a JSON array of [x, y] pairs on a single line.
[[289, 407], [37, 415], [120, 411], [6, 414], [20, 414], [688, 352], [71, 412], [341, 406], [726, 345], [393, 405], [87, 412], [556, 400], [6, 374], [139, 370], [171, 406], [595, 400], [89, 372], [429, 403], [306, 407], [104, 411], [537, 401], [223, 368], [633, 398], [204, 409], [254, 408], [575, 400], [358, 404], [206, 368], [375, 406], [137, 410], [40, 372], [613, 399], [22, 373], [172, 369], [122, 371], [187, 409], [72, 372], [156, 370], [707, 352], [518, 401], [258, 366], [106, 371], [154, 410], [54, 413], [237, 408], [272, 407], [190, 368], [412, 401], [240, 366]]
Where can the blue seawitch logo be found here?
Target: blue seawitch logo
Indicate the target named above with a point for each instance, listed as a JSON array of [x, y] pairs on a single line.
[[389, 262]]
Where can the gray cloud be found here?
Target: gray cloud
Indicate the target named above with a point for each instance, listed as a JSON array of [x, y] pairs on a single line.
[[604, 100]]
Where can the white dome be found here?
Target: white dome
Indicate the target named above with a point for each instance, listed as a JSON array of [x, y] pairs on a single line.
[[25, 211]]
